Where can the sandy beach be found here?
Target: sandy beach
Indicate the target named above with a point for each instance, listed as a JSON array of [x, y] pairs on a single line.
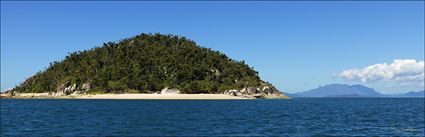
[[158, 96], [129, 96]]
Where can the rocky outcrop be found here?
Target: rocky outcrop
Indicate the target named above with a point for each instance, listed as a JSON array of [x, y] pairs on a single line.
[[251, 90], [170, 91], [86, 87], [256, 92], [59, 90], [8, 93], [265, 91], [71, 89], [233, 92]]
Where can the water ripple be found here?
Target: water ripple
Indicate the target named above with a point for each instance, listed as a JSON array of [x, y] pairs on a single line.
[[296, 117]]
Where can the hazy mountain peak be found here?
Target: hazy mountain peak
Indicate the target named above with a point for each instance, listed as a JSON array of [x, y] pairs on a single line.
[[343, 90]]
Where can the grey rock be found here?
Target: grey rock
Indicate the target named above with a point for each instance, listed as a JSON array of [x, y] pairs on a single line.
[[269, 90], [67, 91], [59, 90], [68, 88], [276, 95], [259, 95], [86, 87], [251, 90], [226, 92], [234, 92], [170, 91], [239, 94], [73, 87], [10, 93], [244, 90]]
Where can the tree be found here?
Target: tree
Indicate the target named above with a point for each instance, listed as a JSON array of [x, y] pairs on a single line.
[[146, 62]]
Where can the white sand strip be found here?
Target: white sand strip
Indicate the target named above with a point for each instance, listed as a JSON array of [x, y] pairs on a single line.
[[157, 96]]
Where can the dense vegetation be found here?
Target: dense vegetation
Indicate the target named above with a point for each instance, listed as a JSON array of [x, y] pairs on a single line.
[[147, 62]]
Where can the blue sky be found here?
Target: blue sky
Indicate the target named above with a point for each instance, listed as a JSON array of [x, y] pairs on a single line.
[[294, 45]]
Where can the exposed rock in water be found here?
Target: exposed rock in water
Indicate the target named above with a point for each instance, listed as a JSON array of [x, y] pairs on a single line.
[[256, 92], [170, 91]]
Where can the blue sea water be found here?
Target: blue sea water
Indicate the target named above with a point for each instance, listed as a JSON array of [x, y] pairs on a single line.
[[295, 117]]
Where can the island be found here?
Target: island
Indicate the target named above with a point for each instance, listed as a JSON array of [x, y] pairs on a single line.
[[147, 66]]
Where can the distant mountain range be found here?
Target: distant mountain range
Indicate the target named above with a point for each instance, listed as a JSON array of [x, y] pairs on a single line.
[[344, 90], [410, 94]]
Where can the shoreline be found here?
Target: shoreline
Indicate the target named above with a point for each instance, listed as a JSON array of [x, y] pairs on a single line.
[[129, 96]]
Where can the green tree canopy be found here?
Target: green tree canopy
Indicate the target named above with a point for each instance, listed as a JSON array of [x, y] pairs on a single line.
[[146, 62]]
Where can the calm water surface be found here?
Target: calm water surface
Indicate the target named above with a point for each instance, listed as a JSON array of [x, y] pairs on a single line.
[[295, 117]]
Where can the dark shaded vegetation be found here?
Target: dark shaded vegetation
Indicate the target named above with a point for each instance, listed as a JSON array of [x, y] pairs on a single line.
[[147, 62]]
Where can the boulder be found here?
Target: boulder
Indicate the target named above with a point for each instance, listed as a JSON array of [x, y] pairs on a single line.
[[170, 91], [226, 92], [234, 92], [73, 87], [256, 92], [59, 90], [67, 91], [276, 95], [243, 90], [263, 91], [258, 95], [269, 90], [86, 87], [251, 90], [239, 94], [10, 93]]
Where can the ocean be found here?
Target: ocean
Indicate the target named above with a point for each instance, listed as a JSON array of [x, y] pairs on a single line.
[[294, 117]]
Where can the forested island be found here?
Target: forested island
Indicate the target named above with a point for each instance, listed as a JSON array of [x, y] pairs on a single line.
[[149, 63]]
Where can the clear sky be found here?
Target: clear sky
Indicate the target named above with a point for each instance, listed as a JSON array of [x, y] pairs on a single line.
[[296, 46]]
